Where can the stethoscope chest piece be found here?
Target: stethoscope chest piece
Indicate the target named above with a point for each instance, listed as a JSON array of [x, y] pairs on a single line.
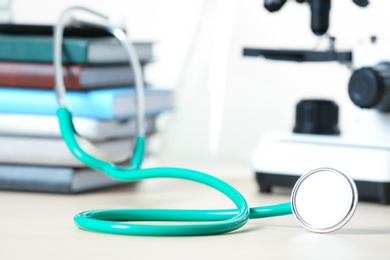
[[324, 200]]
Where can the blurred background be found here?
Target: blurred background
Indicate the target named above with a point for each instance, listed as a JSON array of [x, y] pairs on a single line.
[[225, 101]]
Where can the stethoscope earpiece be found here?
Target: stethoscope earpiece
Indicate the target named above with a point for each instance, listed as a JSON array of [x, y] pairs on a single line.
[[324, 200]]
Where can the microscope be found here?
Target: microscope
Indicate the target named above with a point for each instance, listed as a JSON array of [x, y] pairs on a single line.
[[316, 140]]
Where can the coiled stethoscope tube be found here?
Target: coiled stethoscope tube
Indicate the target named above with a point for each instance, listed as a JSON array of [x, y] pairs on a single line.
[[114, 221]]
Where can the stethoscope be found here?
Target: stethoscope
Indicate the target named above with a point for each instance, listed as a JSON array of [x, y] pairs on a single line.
[[322, 200]]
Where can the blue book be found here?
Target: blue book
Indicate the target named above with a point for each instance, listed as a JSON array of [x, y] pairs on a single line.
[[105, 104]]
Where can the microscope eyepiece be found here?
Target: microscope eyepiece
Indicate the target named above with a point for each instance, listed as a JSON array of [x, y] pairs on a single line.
[[274, 5], [319, 16], [361, 3], [319, 12]]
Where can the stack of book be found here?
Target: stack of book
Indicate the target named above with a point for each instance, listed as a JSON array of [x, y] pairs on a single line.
[[100, 95]]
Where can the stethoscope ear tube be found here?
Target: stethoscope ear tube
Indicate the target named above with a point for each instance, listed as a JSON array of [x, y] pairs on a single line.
[[68, 131], [116, 28], [72, 140], [63, 20]]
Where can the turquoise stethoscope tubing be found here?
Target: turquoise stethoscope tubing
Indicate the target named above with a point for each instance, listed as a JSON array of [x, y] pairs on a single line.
[[111, 221], [203, 222]]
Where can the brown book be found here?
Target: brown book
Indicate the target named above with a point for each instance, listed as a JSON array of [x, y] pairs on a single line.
[[76, 77]]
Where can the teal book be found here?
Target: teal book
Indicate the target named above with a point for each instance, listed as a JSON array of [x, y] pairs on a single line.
[[104, 104], [76, 50]]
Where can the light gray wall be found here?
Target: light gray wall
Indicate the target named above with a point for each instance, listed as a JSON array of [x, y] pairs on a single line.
[[225, 101]]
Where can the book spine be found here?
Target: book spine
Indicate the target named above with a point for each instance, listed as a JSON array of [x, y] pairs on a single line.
[[34, 151], [40, 49], [37, 75], [43, 102], [93, 130], [104, 104], [75, 50], [31, 178]]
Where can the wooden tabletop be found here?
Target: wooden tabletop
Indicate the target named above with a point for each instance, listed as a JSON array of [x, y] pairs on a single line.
[[40, 226]]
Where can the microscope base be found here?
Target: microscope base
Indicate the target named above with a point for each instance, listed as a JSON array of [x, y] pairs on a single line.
[[281, 159], [368, 191]]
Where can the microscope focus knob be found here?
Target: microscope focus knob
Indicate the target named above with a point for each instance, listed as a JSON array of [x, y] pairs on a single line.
[[317, 116], [369, 87]]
